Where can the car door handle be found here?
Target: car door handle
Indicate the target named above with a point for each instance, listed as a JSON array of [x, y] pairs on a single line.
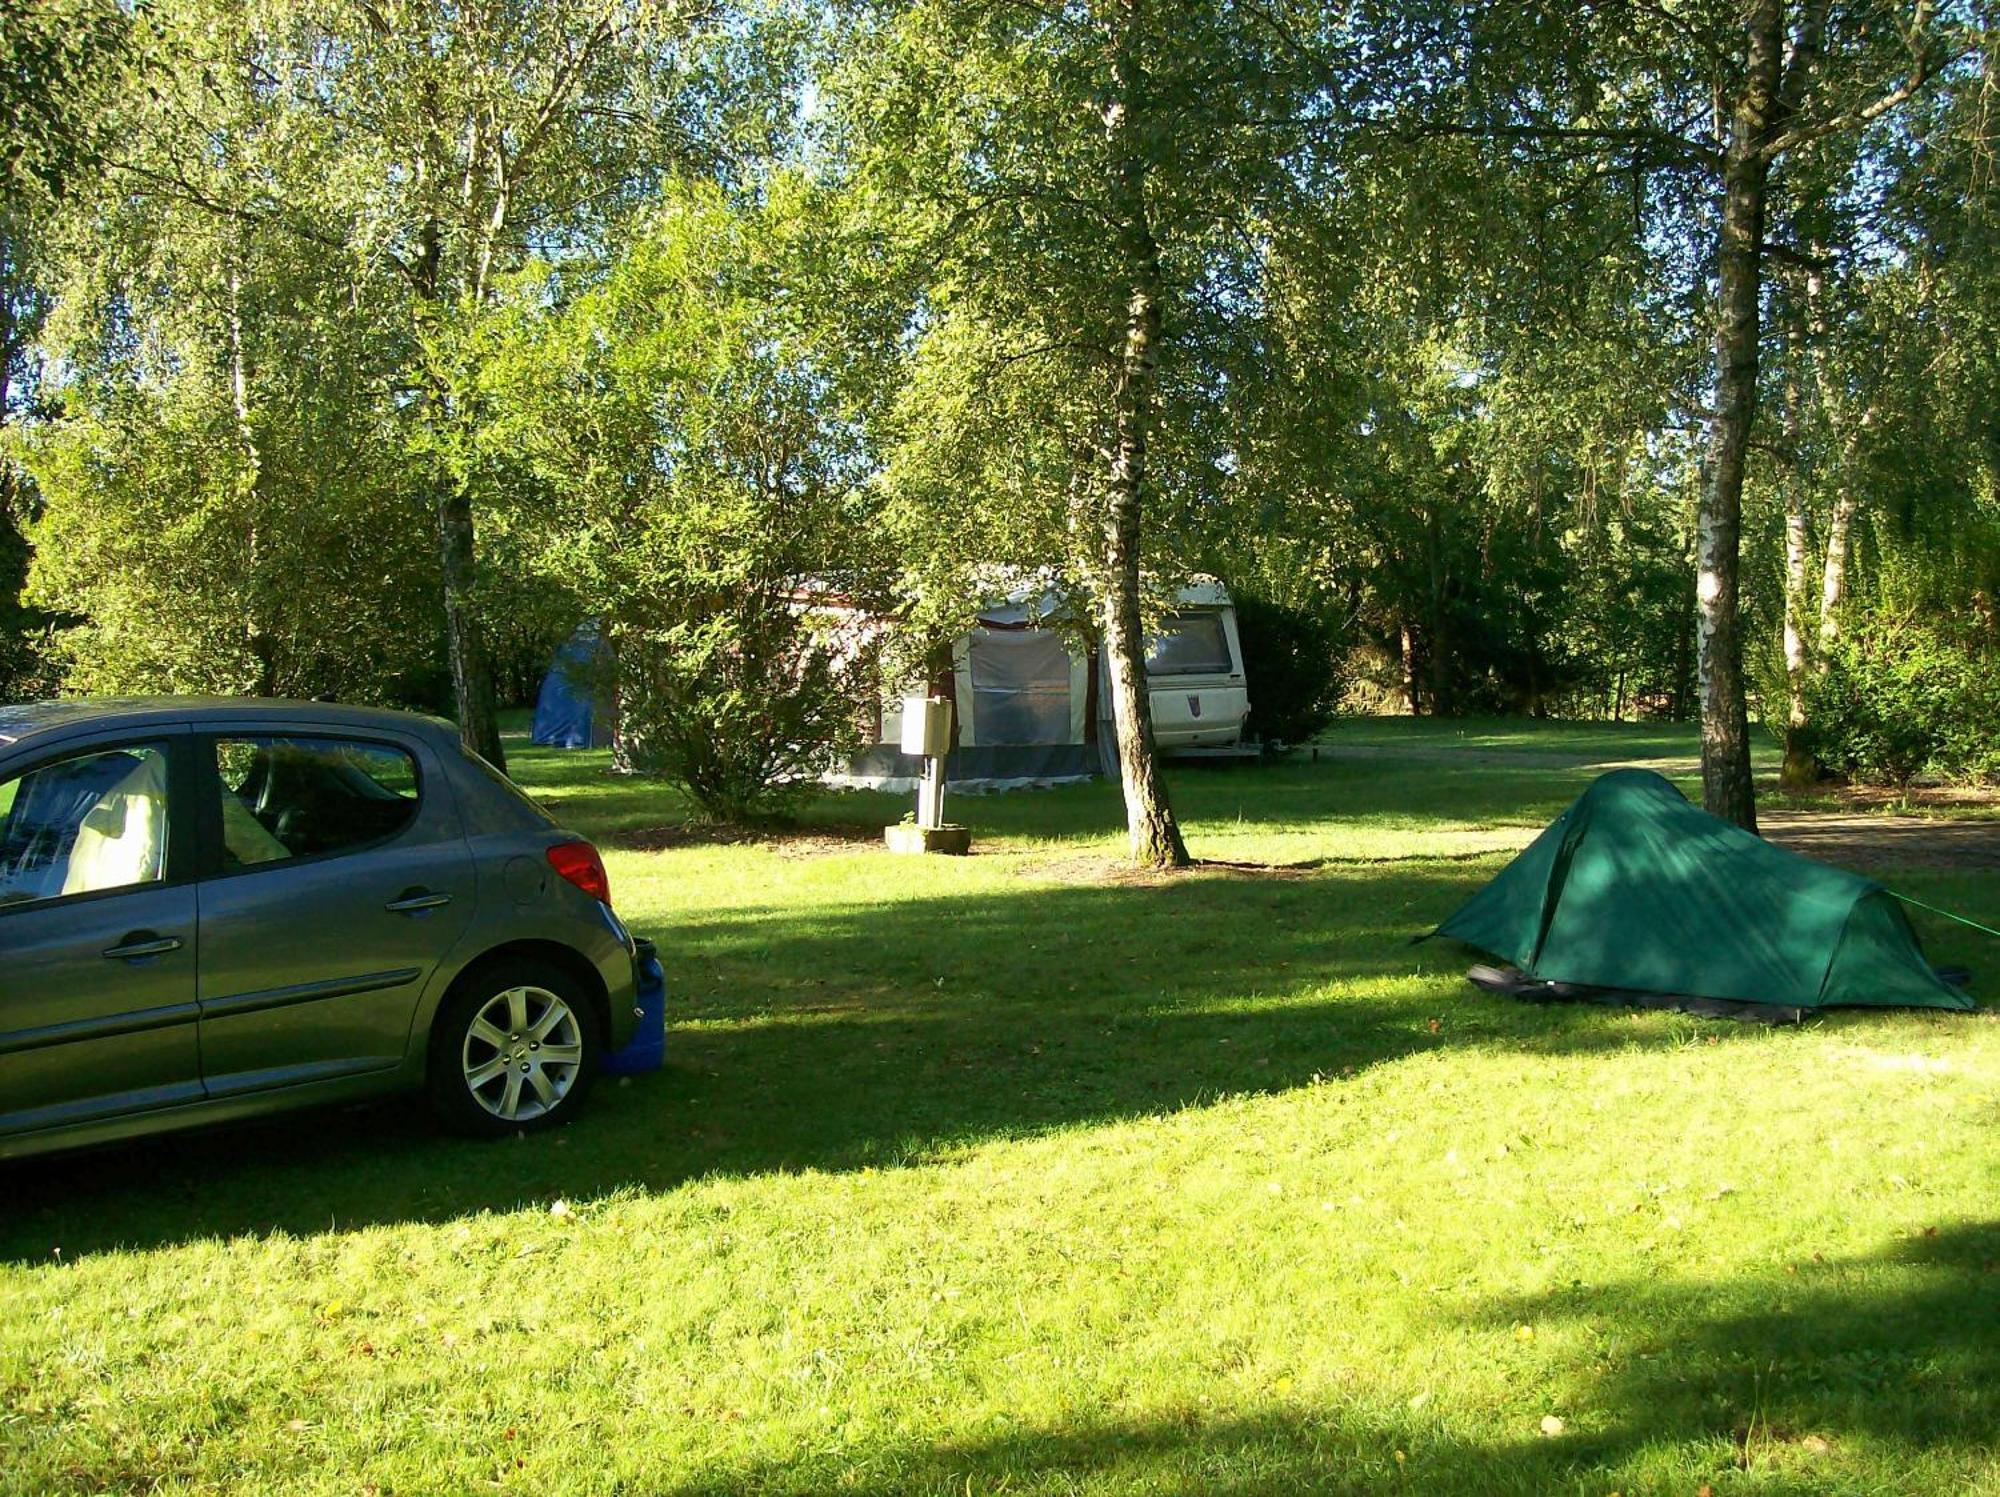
[[416, 901], [141, 943]]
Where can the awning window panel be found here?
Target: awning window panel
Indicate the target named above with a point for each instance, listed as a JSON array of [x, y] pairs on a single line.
[[1020, 686]]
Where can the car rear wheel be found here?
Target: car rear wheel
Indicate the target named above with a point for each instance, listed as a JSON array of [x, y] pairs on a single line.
[[513, 1048]]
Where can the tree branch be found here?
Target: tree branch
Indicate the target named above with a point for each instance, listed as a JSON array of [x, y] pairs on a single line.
[[1925, 66]]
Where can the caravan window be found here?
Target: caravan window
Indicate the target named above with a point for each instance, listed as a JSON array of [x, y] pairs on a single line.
[[1020, 686], [1192, 644]]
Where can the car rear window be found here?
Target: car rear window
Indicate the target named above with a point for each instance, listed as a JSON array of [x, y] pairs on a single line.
[[302, 797]]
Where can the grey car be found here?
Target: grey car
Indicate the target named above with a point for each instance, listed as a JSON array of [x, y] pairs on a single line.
[[211, 908]]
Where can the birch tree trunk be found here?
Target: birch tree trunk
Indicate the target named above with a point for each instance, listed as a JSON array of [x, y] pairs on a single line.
[[465, 643], [1726, 786], [1799, 769], [473, 694], [1153, 836], [1840, 523], [1833, 576], [256, 636]]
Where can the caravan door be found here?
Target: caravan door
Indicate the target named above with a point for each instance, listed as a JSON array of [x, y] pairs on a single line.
[[1194, 673]]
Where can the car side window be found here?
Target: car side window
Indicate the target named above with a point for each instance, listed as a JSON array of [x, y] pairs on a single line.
[[83, 825], [294, 797]]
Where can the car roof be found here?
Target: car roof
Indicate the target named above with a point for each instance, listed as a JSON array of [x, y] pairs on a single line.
[[25, 720]]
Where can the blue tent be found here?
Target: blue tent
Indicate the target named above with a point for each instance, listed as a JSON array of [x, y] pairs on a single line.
[[564, 716]]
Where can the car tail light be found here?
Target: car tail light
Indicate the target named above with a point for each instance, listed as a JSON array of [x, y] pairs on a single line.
[[579, 863]]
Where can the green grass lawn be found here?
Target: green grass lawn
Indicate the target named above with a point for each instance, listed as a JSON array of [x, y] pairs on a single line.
[[1516, 735], [1018, 1174]]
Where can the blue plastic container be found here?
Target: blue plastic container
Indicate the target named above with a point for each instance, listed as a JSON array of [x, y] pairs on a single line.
[[647, 1049]]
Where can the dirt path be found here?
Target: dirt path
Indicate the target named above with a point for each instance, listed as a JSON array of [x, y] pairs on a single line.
[[1873, 841], [1862, 839]]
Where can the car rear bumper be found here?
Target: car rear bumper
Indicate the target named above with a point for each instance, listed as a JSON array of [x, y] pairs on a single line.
[[646, 1048], [618, 966]]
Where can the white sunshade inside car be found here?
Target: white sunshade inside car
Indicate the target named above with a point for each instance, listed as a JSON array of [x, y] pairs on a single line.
[[123, 838]]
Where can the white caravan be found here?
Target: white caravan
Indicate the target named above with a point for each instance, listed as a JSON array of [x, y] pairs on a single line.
[[1032, 709]]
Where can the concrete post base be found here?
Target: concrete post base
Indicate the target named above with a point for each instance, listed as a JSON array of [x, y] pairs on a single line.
[[908, 837]]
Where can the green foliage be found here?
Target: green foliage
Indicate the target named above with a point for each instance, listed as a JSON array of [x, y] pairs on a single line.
[[1293, 655], [56, 62], [223, 504], [180, 575], [61, 63], [743, 707], [1434, 339], [26, 673], [691, 474], [1022, 199], [1898, 698], [260, 452]]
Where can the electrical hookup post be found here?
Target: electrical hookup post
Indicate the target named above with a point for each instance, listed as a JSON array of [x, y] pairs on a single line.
[[927, 736]]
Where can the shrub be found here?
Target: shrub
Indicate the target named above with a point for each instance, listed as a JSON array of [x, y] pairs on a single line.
[[742, 707], [1294, 659], [688, 470], [1898, 699]]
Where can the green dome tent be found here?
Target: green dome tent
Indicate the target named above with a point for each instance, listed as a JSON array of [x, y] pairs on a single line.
[[1636, 890]]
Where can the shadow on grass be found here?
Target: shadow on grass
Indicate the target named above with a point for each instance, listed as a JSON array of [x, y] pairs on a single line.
[[1767, 1379], [1782, 1365], [839, 1037], [833, 1038], [1193, 1455]]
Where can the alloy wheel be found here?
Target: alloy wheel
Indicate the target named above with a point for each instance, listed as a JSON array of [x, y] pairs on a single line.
[[522, 1053]]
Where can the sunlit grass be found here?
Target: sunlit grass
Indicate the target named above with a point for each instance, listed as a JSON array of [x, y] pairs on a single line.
[[1583, 741], [1015, 1173]]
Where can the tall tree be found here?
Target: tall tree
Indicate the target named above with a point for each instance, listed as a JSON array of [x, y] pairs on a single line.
[[1710, 103], [59, 62], [1129, 126], [703, 486], [437, 142], [224, 502], [1797, 77], [1079, 192]]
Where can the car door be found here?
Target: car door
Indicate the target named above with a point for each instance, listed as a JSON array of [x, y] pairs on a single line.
[[98, 934], [338, 877]]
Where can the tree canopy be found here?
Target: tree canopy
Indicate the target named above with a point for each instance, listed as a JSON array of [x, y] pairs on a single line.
[[1633, 361]]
